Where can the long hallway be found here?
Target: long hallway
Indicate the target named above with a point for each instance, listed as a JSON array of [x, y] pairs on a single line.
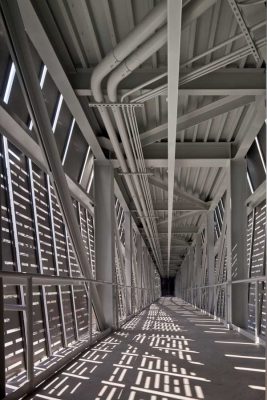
[[169, 351]]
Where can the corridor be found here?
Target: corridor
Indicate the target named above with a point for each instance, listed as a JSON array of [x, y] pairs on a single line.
[[169, 351]]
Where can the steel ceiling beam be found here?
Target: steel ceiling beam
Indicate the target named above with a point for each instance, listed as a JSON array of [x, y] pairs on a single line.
[[224, 82], [180, 163], [195, 150], [179, 193], [185, 152], [241, 22], [48, 55], [176, 242], [162, 206], [181, 217], [178, 230], [250, 127], [41, 42], [20, 137], [178, 247], [196, 117]]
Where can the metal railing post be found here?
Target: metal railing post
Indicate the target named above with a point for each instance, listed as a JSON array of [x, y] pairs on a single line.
[[214, 302], [90, 313], [256, 312], [2, 343], [29, 331]]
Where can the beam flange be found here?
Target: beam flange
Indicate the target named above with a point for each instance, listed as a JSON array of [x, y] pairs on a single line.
[[182, 217], [47, 53], [223, 82], [180, 193], [178, 230], [196, 117], [192, 150], [250, 127], [177, 206]]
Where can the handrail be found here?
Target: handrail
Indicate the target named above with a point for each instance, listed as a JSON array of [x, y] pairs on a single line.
[[247, 280], [16, 278]]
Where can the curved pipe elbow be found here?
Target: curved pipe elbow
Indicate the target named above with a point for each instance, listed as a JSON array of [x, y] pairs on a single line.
[[148, 48], [100, 71], [137, 36]]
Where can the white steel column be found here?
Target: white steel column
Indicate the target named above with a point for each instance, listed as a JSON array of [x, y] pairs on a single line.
[[104, 236], [236, 250], [210, 256], [139, 277], [128, 258], [197, 268], [186, 274], [191, 272]]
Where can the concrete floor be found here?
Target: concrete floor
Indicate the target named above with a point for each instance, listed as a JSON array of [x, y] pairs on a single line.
[[170, 351]]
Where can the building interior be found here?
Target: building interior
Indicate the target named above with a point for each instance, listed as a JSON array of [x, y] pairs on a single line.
[[133, 199]]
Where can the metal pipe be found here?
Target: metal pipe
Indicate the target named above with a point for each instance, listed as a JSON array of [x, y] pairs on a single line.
[[135, 38], [125, 68], [206, 69], [147, 49], [140, 33]]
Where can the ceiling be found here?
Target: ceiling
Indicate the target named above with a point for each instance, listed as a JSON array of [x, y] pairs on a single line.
[[221, 69]]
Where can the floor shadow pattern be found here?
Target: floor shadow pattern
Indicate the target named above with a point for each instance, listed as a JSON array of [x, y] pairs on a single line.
[[169, 351]]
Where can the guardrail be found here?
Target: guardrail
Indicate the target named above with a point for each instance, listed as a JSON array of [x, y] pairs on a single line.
[[28, 281], [227, 285]]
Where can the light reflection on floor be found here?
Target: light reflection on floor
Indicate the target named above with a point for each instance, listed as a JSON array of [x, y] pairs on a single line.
[[170, 351]]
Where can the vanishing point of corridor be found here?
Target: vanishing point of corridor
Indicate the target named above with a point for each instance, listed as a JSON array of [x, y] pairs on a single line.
[[169, 351]]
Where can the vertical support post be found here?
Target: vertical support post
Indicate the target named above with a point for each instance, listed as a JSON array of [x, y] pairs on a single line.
[[176, 287], [256, 312], [214, 301], [210, 257], [39, 259], [29, 331], [76, 330], [12, 210], [90, 311], [237, 267], [198, 267], [139, 271], [60, 299], [147, 276], [121, 269], [104, 237], [228, 285], [186, 262], [191, 273], [135, 272], [152, 279], [2, 343]]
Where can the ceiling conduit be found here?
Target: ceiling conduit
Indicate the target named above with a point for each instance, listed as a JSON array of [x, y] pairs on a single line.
[[145, 29], [147, 26], [151, 46]]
